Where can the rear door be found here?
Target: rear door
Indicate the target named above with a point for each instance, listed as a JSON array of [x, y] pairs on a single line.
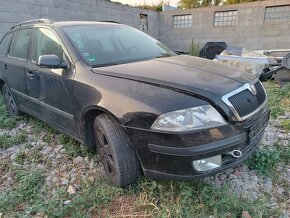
[[15, 66], [51, 89], [4, 48]]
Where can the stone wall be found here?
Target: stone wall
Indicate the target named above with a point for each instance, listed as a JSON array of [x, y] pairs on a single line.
[[15, 11], [250, 31]]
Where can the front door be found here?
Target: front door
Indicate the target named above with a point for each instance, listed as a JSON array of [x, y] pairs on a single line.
[[51, 88]]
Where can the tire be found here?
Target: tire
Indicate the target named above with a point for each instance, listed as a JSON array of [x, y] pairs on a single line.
[[9, 101], [118, 157]]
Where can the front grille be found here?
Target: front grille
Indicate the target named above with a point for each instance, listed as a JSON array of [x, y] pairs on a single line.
[[243, 102]]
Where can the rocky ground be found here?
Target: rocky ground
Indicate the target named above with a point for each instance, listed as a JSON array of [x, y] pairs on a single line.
[[253, 185], [65, 164]]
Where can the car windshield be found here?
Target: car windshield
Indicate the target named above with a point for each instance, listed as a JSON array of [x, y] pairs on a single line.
[[105, 45]]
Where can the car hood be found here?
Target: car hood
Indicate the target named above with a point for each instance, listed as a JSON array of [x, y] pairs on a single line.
[[204, 78]]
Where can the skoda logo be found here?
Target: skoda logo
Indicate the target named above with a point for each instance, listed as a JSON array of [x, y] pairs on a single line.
[[253, 89]]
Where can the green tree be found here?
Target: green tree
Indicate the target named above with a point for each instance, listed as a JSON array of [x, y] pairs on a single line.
[[154, 7], [205, 3], [198, 3], [227, 2]]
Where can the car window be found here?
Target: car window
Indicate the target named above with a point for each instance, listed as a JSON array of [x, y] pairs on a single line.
[[104, 45], [4, 45], [46, 43], [20, 44]]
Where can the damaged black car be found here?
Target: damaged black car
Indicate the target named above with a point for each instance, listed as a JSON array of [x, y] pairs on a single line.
[[139, 104]]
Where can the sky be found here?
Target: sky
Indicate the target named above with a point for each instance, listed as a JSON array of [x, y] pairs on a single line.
[[147, 2]]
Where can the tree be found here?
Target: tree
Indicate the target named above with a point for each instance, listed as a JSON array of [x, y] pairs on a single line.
[[205, 3], [227, 2], [198, 3], [154, 7]]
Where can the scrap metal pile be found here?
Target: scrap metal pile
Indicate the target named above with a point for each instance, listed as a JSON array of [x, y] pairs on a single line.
[[262, 63]]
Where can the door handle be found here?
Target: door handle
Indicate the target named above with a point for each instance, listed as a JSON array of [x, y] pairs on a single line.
[[5, 67], [30, 75]]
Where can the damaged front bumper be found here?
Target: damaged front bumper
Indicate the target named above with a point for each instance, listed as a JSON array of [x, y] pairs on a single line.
[[171, 156]]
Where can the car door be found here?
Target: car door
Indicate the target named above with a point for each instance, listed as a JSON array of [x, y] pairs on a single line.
[[52, 88], [15, 66], [4, 48]]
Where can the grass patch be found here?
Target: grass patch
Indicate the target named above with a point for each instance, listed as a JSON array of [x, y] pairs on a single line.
[[6, 121], [30, 183], [30, 198], [278, 98], [197, 199], [92, 197], [286, 124], [7, 141]]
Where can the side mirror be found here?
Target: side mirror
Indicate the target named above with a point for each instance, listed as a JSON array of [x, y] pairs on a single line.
[[51, 61]]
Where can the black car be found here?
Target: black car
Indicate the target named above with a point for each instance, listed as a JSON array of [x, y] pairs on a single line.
[[141, 105]]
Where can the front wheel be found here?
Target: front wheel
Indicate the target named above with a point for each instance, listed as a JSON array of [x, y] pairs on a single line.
[[118, 157], [10, 103]]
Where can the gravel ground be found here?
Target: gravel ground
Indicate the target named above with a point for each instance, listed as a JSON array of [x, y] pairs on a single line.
[[250, 184], [63, 170]]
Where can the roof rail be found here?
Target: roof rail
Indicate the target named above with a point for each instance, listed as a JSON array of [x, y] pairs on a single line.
[[32, 22]]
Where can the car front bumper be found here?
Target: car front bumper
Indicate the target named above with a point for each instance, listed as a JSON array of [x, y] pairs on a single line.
[[171, 156]]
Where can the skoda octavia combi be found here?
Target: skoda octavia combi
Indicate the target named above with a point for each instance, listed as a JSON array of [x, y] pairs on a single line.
[[141, 105]]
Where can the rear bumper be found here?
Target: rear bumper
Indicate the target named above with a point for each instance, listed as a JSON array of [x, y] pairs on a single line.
[[171, 156]]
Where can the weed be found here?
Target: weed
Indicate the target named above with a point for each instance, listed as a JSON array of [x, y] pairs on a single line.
[[285, 155], [30, 183], [6, 122], [91, 197], [7, 141], [194, 49], [20, 157], [278, 98], [65, 140], [286, 124], [197, 199], [265, 160], [20, 138]]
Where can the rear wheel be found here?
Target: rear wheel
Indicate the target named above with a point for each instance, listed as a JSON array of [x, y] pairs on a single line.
[[117, 155], [10, 102]]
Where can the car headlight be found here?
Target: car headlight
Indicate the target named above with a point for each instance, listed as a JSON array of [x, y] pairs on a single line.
[[194, 118]]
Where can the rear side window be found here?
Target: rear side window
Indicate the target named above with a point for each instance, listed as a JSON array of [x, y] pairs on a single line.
[[4, 45], [20, 44]]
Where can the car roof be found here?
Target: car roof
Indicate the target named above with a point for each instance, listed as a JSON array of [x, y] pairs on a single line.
[[47, 22]]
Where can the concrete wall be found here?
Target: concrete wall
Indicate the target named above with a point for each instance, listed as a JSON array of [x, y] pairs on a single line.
[[15, 11], [250, 32]]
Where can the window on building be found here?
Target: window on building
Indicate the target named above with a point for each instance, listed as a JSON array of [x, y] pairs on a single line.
[[144, 22], [182, 21], [225, 18], [277, 14]]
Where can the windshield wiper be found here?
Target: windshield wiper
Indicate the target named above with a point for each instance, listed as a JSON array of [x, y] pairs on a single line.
[[163, 56], [104, 65]]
